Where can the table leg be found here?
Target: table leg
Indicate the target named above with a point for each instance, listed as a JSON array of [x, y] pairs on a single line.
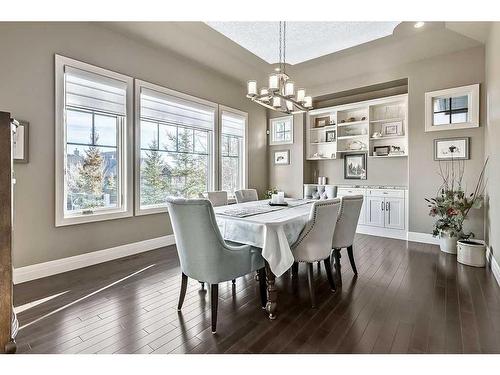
[[272, 293]]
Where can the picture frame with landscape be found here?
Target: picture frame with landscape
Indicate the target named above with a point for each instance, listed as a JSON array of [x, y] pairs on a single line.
[[355, 166]]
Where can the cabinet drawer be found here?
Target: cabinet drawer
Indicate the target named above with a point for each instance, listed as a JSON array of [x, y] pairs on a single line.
[[390, 193], [350, 191]]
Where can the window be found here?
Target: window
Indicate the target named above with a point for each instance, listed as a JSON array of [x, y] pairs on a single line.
[[281, 130], [233, 150], [174, 143], [456, 108], [93, 134]]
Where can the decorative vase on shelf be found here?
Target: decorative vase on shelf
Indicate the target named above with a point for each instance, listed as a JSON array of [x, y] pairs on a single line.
[[448, 243]]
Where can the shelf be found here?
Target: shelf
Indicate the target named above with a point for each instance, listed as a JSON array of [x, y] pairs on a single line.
[[322, 143], [344, 151], [387, 120], [324, 127], [390, 137], [352, 123], [389, 156], [311, 158], [352, 136]]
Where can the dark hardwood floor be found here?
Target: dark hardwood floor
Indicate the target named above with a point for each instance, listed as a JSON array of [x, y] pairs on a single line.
[[408, 298]]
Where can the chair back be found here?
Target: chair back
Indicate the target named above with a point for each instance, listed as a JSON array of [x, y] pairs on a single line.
[[246, 195], [347, 221], [197, 237], [217, 198], [314, 242]]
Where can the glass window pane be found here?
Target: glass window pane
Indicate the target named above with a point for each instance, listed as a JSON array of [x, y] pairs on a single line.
[[189, 174], [459, 102], [105, 128], [234, 146], [168, 137], [287, 126], [287, 136], [155, 178], [91, 177], [200, 142], [225, 145], [185, 140], [280, 126], [441, 104], [149, 135], [458, 117], [441, 118], [78, 127], [280, 136]]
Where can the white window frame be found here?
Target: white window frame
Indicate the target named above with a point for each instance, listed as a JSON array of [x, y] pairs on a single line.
[[472, 92], [125, 147], [223, 108], [139, 84], [272, 125]]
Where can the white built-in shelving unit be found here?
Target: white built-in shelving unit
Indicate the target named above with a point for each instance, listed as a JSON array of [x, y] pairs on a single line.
[[359, 127]]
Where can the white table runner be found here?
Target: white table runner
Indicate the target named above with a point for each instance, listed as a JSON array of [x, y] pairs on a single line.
[[273, 231]]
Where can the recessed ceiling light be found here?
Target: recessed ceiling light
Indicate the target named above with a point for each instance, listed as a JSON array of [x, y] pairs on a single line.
[[419, 24]]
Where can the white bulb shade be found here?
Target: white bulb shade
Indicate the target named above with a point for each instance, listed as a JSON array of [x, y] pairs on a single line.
[[289, 88], [264, 91], [307, 101], [252, 88], [301, 93], [273, 82], [289, 105], [276, 102]]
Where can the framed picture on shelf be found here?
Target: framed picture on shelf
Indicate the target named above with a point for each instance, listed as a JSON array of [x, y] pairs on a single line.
[[451, 148], [320, 122], [355, 166], [391, 129], [381, 150], [331, 135], [282, 157]]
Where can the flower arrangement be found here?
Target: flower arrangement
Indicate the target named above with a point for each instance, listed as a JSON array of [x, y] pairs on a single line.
[[452, 204], [268, 194]]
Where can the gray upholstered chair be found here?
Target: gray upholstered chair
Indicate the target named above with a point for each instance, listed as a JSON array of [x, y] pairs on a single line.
[[246, 195], [203, 253], [217, 198], [343, 237], [314, 242], [313, 191]]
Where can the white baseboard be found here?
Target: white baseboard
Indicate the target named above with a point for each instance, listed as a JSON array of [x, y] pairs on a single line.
[[53, 267], [422, 237], [381, 232], [495, 268]]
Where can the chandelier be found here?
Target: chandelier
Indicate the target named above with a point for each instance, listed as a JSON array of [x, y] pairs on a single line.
[[280, 94]]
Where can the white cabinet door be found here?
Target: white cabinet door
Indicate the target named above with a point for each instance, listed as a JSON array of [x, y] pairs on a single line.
[[395, 213], [375, 207]]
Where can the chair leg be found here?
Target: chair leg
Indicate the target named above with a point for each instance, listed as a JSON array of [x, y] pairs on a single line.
[[234, 281], [328, 269], [310, 280], [295, 269], [202, 285], [351, 259], [184, 283], [262, 287], [214, 301], [336, 254]]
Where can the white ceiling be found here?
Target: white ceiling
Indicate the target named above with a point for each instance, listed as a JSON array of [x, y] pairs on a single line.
[[304, 40]]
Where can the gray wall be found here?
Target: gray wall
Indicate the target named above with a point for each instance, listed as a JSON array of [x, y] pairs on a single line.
[[419, 172], [492, 136], [27, 91]]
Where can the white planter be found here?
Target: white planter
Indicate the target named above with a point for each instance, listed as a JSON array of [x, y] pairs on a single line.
[[471, 253], [447, 243]]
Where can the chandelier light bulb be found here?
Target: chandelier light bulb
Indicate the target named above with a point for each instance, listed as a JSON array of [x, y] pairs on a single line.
[[289, 105], [252, 88], [301, 93], [289, 88], [273, 82], [307, 101], [276, 102]]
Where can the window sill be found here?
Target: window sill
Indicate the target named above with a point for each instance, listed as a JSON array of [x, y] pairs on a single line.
[[83, 219]]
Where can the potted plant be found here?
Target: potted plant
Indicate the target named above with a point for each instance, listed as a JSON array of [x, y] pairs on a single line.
[[269, 193], [452, 204]]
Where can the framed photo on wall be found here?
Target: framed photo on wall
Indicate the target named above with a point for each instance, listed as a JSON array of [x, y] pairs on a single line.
[[20, 147], [282, 157], [451, 148], [330, 135], [355, 166]]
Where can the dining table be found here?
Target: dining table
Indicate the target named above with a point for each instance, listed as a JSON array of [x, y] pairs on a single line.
[[272, 228]]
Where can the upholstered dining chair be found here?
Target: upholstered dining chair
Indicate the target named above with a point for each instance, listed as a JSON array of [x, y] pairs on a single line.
[[246, 195], [203, 253], [313, 244], [217, 198], [345, 230]]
